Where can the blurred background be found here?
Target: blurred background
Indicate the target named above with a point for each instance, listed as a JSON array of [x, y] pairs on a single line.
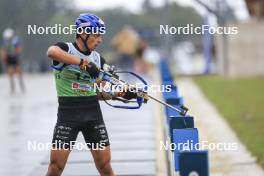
[[228, 69], [191, 54]]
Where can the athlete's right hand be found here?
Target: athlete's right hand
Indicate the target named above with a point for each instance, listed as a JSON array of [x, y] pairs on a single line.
[[90, 68]]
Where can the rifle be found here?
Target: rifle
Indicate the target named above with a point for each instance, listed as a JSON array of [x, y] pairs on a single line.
[[112, 77]]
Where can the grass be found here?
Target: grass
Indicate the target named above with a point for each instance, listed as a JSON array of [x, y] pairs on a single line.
[[241, 102]]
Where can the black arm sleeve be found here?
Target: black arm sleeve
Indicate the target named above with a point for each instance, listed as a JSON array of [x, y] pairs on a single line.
[[62, 46], [102, 62]]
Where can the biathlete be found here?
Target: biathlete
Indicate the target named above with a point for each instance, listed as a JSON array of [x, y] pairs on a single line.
[[76, 69]]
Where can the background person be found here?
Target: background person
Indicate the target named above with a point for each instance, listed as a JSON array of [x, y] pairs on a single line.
[[11, 48]]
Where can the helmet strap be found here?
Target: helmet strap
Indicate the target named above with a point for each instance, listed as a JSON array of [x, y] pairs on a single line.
[[84, 42]]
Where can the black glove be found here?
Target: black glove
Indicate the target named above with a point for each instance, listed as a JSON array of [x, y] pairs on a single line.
[[130, 95], [90, 68]]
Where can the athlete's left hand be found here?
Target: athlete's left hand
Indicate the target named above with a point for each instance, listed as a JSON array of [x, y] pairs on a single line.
[[129, 95], [90, 68]]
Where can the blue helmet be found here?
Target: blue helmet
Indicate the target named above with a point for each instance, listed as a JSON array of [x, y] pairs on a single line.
[[90, 24]]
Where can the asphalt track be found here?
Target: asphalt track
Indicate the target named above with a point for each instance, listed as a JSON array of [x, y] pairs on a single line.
[[27, 121]]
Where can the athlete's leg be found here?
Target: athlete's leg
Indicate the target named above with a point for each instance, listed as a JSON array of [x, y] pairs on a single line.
[[10, 71], [64, 137], [20, 76], [58, 159], [96, 137], [102, 160]]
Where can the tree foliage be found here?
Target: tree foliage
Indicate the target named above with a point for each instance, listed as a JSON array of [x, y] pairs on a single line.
[[18, 14]]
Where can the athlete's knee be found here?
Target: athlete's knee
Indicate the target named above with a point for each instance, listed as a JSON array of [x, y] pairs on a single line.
[[104, 166], [19, 70], [55, 169]]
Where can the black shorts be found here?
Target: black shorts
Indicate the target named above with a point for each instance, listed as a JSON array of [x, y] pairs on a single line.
[[94, 133], [79, 109], [80, 114], [12, 61]]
